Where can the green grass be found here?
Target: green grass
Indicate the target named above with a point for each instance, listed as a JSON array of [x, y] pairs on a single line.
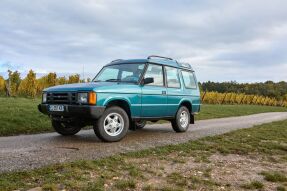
[[21, 116], [281, 188], [116, 172], [125, 184], [219, 111], [253, 185], [275, 176], [177, 179]]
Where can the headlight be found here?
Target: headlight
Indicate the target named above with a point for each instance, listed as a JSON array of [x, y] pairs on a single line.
[[44, 97], [82, 97]]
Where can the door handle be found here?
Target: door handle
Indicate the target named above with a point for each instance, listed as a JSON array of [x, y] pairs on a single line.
[[163, 92]]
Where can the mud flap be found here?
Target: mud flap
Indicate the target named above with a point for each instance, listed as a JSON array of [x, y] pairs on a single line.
[[191, 119]]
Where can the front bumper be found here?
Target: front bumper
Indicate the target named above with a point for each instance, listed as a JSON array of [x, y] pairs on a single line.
[[85, 111]]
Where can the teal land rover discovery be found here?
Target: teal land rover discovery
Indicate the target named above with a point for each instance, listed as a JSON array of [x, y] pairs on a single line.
[[124, 95]]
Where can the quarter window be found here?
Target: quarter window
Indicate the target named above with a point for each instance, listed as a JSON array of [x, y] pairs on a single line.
[[188, 79], [155, 72], [172, 78]]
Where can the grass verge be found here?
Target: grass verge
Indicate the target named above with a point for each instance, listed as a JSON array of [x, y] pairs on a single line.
[[21, 116], [245, 159]]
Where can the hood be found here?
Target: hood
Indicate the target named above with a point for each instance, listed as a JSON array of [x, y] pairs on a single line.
[[79, 86]]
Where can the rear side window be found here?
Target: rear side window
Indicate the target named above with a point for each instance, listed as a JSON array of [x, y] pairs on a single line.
[[189, 80], [172, 77]]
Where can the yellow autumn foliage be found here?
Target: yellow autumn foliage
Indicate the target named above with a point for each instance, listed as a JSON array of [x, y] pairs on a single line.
[[28, 86], [234, 98], [2, 85]]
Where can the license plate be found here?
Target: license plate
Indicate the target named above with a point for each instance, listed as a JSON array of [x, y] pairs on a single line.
[[56, 108]]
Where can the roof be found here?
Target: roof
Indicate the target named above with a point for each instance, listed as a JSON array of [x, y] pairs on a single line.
[[156, 60]]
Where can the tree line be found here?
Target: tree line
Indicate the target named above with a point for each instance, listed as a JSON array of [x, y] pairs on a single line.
[[267, 93], [31, 86], [268, 89]]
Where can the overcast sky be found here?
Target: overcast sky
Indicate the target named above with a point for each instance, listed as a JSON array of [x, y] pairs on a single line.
[[224, 40]]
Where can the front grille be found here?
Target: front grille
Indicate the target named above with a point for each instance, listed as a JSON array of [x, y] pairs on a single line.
[[62, 98]]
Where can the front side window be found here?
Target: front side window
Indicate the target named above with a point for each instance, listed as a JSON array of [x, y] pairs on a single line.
[[121, 73], [155, 72], [188, 79], [172, 78]]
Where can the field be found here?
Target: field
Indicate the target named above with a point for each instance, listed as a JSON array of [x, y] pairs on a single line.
[[21, 116], [248, 159]]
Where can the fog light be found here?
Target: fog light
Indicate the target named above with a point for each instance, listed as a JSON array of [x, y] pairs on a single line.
[[44, 98]]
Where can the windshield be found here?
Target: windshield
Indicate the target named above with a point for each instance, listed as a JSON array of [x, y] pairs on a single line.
[[120, 73]]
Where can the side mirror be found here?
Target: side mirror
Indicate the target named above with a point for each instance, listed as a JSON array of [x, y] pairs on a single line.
[[148, 81]]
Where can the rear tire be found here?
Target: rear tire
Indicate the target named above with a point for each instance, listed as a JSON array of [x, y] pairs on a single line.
[[182, 120], [113, 125], [65, 129]]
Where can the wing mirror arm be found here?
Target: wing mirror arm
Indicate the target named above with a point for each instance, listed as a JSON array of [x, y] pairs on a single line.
[[147, 81]]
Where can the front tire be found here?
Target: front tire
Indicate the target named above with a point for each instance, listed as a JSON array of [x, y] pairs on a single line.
[[182, 120], [65, 129], [113, 125]]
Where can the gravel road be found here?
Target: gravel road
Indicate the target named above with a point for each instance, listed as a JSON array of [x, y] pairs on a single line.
[[33, 151]]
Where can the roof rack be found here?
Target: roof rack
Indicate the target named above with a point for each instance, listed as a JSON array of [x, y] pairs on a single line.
[[116, 60], [185, 65], [155, 56]]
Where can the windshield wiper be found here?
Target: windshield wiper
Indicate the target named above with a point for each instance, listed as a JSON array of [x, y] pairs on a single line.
[[113, 80]]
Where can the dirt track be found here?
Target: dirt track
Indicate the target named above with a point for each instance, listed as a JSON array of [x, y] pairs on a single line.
[[33, 151]]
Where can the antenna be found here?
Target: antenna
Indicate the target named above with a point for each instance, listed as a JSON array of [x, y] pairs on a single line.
[[84, 72]]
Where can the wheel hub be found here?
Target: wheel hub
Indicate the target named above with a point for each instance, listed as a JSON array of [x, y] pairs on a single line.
[[183, 119], [113, 124]]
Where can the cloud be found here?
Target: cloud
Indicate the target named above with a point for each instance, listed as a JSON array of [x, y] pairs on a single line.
[[5, 65], [223, 40]]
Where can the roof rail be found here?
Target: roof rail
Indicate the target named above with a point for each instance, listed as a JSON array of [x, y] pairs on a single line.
[[185, 65], [116, 60], [159, 57]]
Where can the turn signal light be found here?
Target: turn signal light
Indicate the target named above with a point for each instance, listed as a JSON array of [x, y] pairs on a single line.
[[92, 98]]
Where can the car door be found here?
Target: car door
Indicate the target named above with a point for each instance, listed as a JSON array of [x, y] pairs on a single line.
[[154, 98], [174, 90]]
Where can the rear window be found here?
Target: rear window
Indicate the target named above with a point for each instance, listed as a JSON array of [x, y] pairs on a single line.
[[189, 79], [172, 77]]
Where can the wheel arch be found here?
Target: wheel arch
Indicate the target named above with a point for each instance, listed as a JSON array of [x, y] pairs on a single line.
[[120, 102], [187, 104]]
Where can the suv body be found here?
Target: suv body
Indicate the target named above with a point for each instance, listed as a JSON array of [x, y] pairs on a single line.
[[133, 91]]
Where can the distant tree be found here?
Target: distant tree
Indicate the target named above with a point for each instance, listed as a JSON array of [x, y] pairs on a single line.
[[74, 78], [13, 82], [268, 88], [62, 80], [42, 83], [2, 85], [28, 86], [88, 79], [46, 81], [52, 79]]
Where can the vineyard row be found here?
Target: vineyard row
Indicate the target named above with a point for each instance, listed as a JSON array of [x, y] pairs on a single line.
[[234, 98]]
